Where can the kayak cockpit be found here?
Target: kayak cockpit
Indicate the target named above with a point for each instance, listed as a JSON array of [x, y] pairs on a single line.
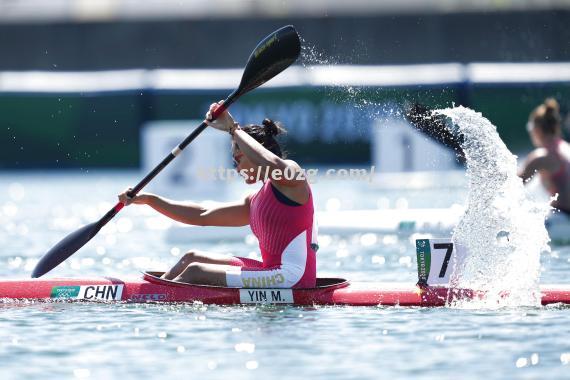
[[322, 283]]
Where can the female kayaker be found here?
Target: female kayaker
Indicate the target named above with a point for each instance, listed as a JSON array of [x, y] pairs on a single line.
[[551, 158], [280, 215]]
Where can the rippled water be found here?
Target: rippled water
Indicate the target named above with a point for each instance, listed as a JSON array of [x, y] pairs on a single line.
[[79, 340]]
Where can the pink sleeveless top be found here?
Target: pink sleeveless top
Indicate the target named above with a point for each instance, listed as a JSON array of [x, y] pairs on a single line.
[[286, 235]]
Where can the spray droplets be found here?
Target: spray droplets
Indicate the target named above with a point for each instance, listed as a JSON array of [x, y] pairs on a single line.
[[310, 56], [360, 100]]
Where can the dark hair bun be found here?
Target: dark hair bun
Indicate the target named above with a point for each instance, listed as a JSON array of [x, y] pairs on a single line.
[[547, 117], [272, 128], [552, 112], [265, 135], [552, 106]]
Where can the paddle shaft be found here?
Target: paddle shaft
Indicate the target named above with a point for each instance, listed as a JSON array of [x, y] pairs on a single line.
[[171, 156]]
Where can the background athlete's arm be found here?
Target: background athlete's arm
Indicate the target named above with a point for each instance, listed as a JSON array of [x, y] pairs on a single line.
[[532, 165]]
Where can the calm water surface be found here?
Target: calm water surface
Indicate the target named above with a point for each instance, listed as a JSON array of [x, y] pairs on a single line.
[[101, 341]]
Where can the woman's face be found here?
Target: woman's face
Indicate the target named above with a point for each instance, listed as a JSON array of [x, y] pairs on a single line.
[[244, 166]]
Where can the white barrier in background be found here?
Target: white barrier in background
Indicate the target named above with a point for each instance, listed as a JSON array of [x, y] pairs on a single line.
[[186, 176], [320, 75], [399, 147]]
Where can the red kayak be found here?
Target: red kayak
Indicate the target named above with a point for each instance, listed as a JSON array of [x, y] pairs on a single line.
[[329, 291]]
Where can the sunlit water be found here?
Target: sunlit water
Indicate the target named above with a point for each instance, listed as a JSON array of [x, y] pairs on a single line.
[[127, 341]]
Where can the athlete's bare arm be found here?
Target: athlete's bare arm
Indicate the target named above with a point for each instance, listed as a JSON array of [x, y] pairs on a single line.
[[295, 186], [229, 214], [264, 158]]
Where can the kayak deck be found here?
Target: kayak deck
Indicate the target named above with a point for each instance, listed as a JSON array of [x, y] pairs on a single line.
[[329, 291]]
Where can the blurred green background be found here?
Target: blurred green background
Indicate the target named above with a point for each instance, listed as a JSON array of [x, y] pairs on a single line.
[[327, 124]]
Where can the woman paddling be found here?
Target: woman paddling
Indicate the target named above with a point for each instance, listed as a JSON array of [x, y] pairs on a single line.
[[551, 158], [280, 215]]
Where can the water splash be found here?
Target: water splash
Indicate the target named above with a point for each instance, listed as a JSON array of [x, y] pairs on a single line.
[[359, 99], [503, 227], [311, 56]]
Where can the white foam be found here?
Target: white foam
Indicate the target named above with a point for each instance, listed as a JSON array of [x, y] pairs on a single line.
[[503, 226]]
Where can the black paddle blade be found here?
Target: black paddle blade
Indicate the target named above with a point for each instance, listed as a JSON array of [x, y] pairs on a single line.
[[272, 55], [65, 248], [435, 126]]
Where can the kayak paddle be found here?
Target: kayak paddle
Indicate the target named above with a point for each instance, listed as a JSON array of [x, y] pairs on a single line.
[[272, 55]]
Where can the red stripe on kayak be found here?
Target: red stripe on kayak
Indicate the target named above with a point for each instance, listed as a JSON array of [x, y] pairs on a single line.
[[141, 290]]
